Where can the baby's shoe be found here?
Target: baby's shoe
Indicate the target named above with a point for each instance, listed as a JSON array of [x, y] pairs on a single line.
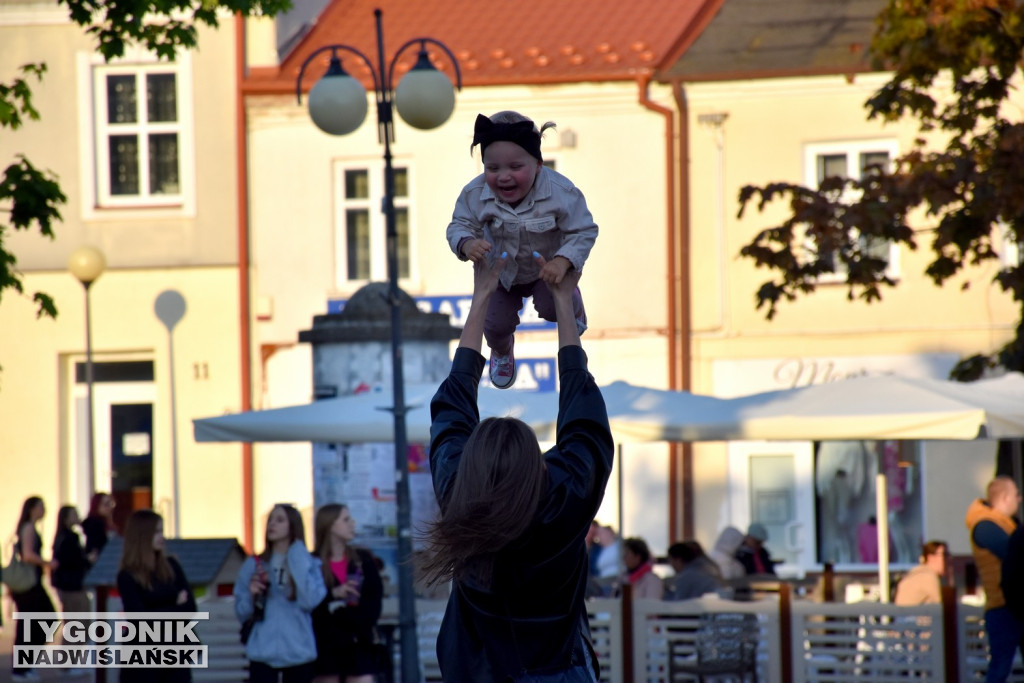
[[503, 367]]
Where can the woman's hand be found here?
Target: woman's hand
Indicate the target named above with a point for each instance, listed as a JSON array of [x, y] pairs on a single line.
[[345, 591], [553, 272], [485, 277], [563, 278], [258, 583]]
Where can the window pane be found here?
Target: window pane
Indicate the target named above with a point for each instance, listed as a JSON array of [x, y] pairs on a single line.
[[121, 103], [402, 230], [163, 164], [870, 159], [357, 184], [357, 243], [161, 97], [124, 164], [831, 165], [401, 182], [875, 247]]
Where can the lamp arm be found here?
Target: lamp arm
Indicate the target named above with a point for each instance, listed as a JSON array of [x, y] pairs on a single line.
[[389, 85], [334, 49]]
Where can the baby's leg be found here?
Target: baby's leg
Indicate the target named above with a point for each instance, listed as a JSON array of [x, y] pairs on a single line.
[[545, 305], [502, 319]]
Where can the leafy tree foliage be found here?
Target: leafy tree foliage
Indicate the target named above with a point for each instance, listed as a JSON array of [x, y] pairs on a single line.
[[31, 197], [971, 192]]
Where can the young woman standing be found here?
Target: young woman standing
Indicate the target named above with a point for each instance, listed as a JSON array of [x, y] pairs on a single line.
[[344, 622], [287, 580], [29, 547]]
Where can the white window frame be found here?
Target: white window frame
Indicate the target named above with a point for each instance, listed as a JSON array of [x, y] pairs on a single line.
[[852, 149], [374, 203], [93, 131]]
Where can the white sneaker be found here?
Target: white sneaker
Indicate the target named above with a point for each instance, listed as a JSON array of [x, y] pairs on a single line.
[[503, 368]]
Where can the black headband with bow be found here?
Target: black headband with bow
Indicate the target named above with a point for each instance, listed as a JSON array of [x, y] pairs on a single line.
[[522, 133]]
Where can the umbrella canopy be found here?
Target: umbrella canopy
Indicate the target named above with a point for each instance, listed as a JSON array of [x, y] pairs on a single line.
[[862, 408]]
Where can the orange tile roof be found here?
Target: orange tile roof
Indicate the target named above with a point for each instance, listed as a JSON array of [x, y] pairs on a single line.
[[502, 42]]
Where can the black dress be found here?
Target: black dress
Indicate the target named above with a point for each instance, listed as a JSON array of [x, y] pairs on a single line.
[[345, 636], [35, 599], [72, 564], [159, 597], [95, 529]]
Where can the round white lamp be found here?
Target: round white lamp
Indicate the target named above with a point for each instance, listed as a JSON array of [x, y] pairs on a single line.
[[87, 264], [425, 97], [337, 103]]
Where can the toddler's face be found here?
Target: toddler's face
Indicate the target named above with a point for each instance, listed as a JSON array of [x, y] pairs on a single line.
[[509, 171]]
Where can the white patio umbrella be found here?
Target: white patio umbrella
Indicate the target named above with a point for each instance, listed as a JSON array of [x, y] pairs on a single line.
[[859, 409], [863, 408]]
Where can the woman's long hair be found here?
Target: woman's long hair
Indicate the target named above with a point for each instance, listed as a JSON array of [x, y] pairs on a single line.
[[325, 519], [138, 556], [492, 502], [26, 515], [296, 532], [64, 525], [96, 510]]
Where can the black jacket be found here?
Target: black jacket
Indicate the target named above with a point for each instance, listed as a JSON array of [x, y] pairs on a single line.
[[532, 619], [355, 622], [71, 562]]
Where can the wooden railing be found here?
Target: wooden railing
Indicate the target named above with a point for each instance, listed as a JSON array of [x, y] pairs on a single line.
[[834, 642]]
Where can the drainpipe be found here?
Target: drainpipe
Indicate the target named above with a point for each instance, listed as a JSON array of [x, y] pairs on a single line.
[[678, 316], [244, 317]]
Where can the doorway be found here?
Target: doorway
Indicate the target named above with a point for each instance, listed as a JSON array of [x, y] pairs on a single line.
[[771, 483], [123, 398]]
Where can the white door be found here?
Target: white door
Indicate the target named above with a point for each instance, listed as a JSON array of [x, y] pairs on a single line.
[[772, 483], [120, 436]]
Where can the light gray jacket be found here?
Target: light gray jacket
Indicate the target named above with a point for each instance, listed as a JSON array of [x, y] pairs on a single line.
[[553, 220]]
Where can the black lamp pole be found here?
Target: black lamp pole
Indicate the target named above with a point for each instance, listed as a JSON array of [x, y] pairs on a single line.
[[383, 81]]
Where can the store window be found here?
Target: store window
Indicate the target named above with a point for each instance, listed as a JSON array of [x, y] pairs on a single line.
[[846, 482]]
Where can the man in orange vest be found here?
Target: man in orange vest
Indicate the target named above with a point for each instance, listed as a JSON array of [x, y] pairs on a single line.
[[990, 523]]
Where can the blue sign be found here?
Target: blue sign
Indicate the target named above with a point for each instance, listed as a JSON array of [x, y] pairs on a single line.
[[457, 308], [532, 374]]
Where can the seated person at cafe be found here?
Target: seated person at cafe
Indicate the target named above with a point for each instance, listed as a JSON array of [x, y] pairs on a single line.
[[923, 583], [696, 573]]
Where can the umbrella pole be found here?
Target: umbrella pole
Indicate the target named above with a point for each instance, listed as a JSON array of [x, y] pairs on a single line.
[[882, 515]]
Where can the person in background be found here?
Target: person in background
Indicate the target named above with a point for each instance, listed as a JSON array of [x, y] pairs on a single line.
[[640, 570], [150, 580], [608, 554], [1013, 570], [990, 523], [72, 563], [288, 579], [752, 553], [29, 547], [724, 553], [923, 584], [98, 526], [344, 622], [696, 573]]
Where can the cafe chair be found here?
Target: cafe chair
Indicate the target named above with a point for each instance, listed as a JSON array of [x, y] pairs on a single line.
[[726, 649]]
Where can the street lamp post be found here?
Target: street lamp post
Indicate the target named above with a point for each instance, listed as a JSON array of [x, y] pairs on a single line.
[[424, 99], [87, 264]]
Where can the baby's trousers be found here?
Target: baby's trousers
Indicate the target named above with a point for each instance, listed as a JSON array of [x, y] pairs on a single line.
[[503, 311]]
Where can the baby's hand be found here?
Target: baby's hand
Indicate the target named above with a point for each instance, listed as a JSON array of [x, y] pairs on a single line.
[[475, 250], [554, 270], [562, 279]]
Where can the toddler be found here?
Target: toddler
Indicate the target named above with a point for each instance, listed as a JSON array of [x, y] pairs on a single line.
[[536, 216]]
